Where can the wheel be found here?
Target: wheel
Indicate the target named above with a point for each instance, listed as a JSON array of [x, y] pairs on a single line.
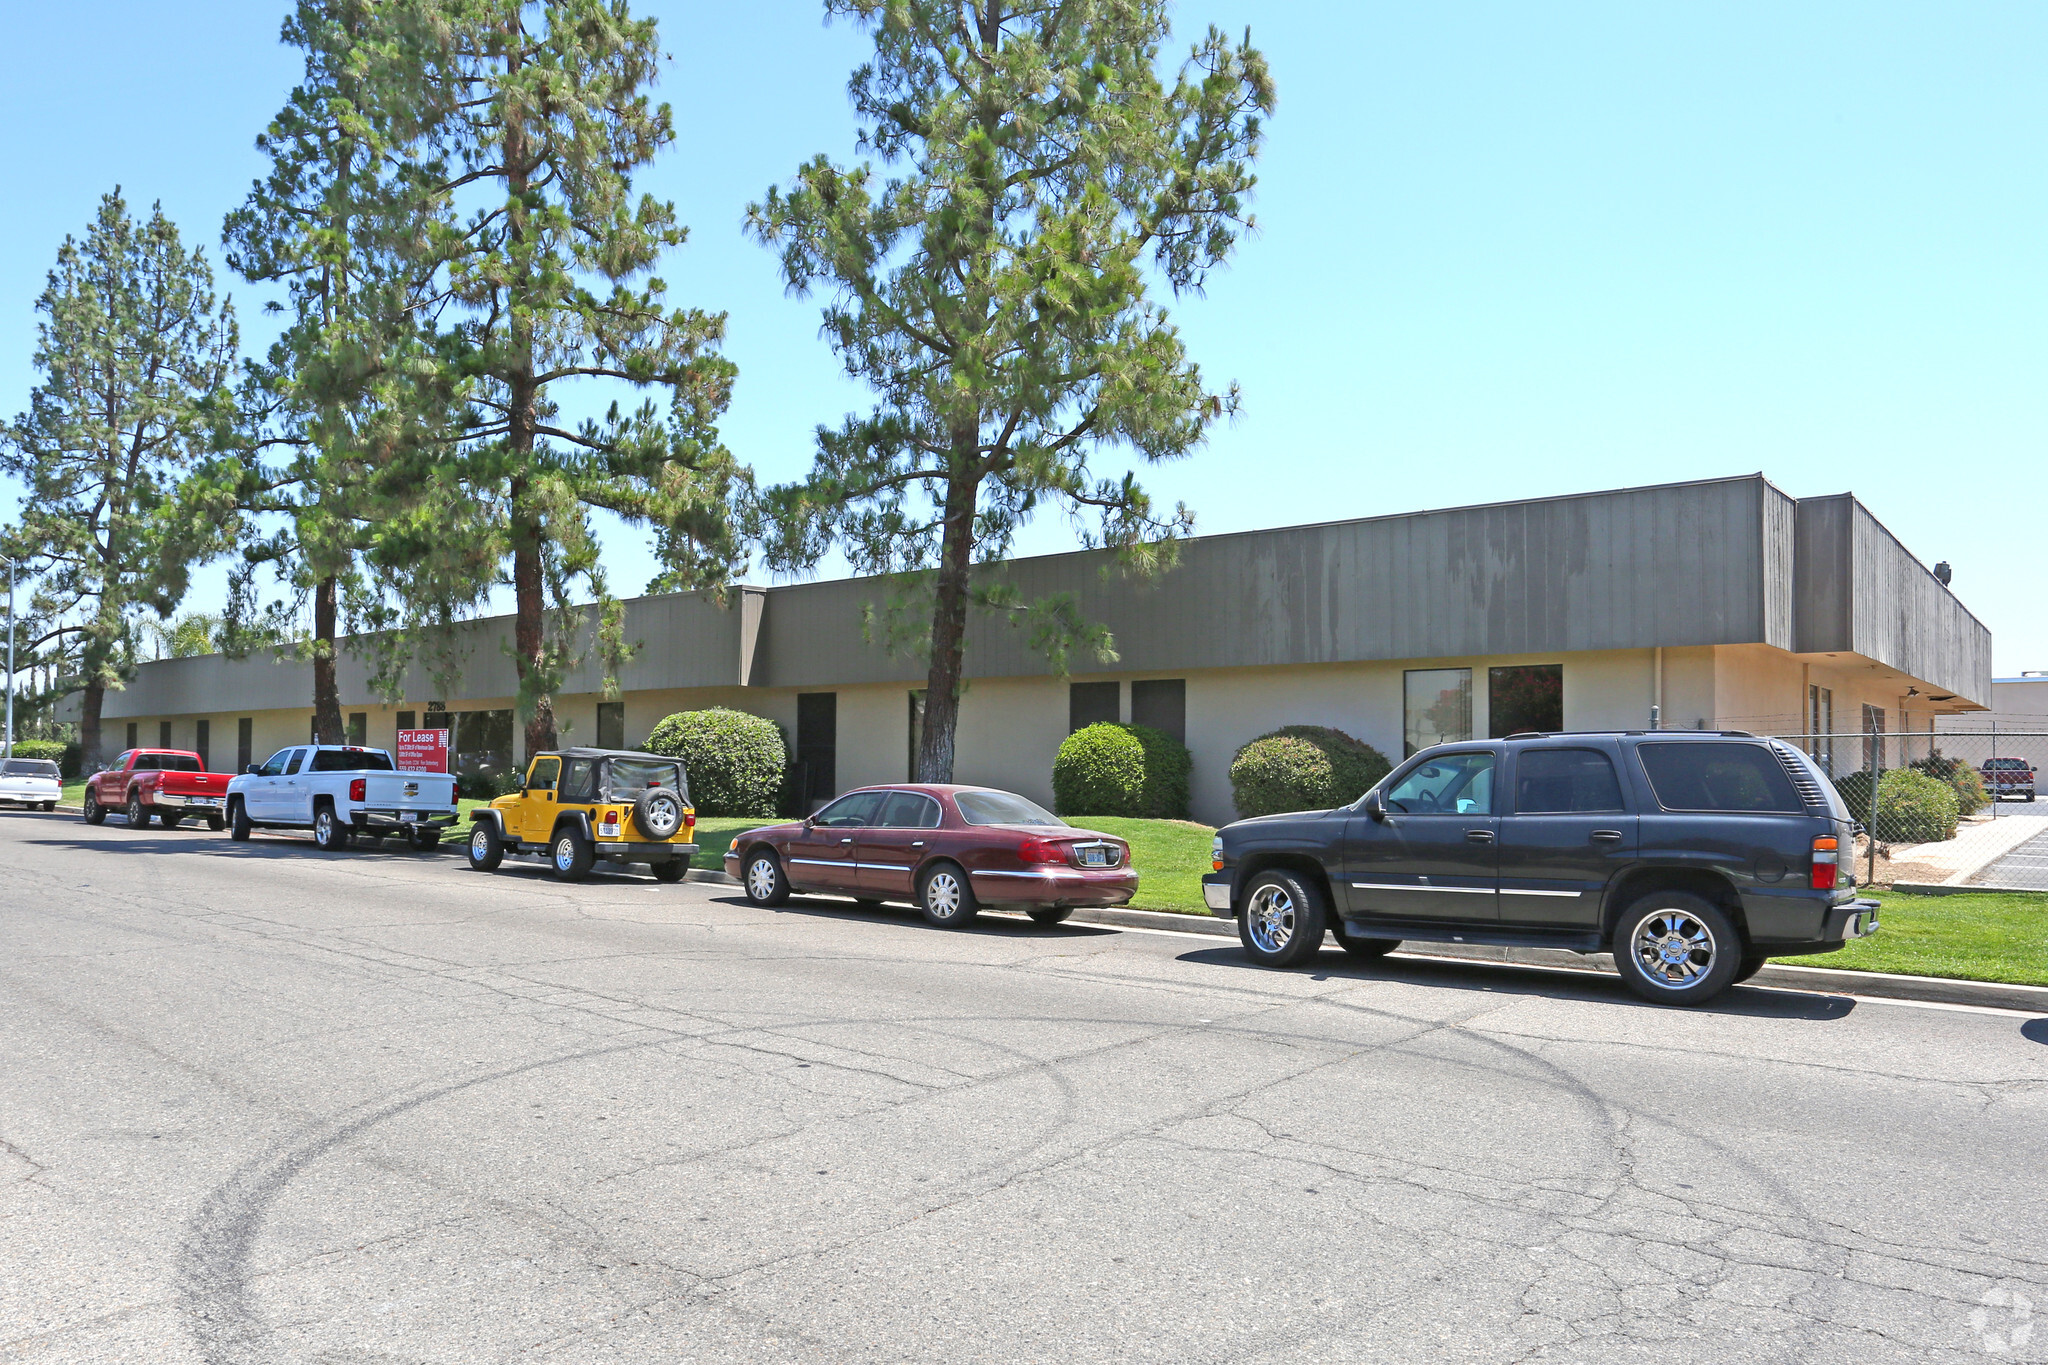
[[1675, 948], [215, 823], [764, 879], [1052, 915], [95, 813], [486, 851], [138, 814], [329, 834], [674, 870], [1358, 945], [571, 856], [946, 898], [423, 840], [49, 806], [239, 827], [659, 813], [171, 819], [1751, 964], [1282, 921]]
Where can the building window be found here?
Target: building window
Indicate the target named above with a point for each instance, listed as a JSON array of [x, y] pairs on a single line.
[[1161, 703], [482, 741], [163, 734], [817, 749], [1092, 704], [916, 729], [133, 731], [1523, 698], [245, 743], [406, 720], [611, 725], [359, 728], [1436, 706], [204, 745], [1873, 736], [1820, 720]]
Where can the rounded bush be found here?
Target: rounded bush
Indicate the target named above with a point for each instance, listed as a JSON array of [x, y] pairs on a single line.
[[733, 761], [1913, 808], [1959, 775], [1303, 767], [1130, 770]]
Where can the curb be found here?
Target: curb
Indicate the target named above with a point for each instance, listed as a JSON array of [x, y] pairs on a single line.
[[1956, 889]]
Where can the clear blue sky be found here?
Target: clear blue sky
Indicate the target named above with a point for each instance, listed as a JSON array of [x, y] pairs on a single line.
[[1505, 250]]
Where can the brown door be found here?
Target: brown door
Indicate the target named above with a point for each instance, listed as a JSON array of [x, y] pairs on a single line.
[[820, 856], [890, 850]]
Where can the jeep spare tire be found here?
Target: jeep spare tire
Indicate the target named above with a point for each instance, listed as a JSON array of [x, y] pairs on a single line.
[[659, 813]]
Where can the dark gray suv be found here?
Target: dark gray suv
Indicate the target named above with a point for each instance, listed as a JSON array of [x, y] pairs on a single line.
[[1692, 856]]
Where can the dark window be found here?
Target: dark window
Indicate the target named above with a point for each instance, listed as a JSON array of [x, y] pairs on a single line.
[[483, 742], [817, 747], [30, 767], [205, 744], [245, 743], [351, 761], [1450, 784], [849, 811], [1161, 703], [274, 766], [407, 721], [358, 728], [544, 774], [1525, 697], [163, 734], [908, 810], [916, 731], [298, 757], [175, 763], [1563, 781], [144, 763], [1718, 776], [611, 725], [623, 779], [579, 782], [133, 739], [1091, 704]]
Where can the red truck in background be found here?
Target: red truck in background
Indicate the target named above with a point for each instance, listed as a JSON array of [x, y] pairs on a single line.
[[168, 784]]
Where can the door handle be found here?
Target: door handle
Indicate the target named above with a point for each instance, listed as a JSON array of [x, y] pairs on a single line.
[[917, 843], [1607, 836], [1479, 836], [846, 841]]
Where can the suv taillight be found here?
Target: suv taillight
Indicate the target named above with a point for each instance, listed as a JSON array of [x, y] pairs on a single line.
[[1824, 848], [358, 789]]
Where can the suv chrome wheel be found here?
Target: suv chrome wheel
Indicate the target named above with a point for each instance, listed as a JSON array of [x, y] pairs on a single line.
[[1269, 918], [1674, 948]]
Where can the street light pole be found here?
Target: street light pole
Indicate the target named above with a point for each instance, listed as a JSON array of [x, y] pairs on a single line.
[[10, 660]]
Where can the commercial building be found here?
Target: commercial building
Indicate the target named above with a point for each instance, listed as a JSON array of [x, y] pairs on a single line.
[[1719, 604]]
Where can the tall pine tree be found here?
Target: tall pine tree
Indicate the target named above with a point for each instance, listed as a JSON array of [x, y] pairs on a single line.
[[134, 349], [997, 295]]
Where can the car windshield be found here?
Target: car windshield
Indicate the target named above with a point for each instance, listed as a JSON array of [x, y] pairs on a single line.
[[2014, 764], [626, 778], [31, 767], [1003, 808], [351, 761]]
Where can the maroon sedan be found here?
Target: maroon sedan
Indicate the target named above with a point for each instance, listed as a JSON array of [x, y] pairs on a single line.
[[947, 850]]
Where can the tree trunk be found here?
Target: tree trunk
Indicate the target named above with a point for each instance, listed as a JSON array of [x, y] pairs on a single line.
[[529, 596], [949, 631], [327, 726], [89, 728]]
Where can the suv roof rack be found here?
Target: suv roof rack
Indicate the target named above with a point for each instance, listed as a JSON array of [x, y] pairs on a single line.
[[1569, 734]]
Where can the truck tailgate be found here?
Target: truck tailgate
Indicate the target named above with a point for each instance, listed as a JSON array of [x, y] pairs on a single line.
[[193, 784], [411, 792]]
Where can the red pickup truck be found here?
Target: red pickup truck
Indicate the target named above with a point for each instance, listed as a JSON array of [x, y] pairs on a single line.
[[169, 784]]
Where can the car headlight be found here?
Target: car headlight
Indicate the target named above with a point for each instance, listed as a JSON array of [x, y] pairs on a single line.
[[1216, 854]]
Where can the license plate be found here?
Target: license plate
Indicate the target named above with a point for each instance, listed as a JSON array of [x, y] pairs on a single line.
[[202, 801], [1095, 857]]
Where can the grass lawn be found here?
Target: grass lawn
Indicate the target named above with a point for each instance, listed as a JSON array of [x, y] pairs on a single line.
[[1170, 855], [1986, 936]]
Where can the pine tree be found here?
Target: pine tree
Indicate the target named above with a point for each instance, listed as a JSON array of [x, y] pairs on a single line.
[[540, 255], [133, 349], [995, 294]]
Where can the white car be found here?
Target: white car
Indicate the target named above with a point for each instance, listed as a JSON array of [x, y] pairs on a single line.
[[30, 782], [339, 791]]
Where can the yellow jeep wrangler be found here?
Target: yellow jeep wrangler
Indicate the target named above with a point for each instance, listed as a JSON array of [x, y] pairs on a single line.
[[579, 805]]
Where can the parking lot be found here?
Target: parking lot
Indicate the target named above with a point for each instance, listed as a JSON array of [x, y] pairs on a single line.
[[260, 1104]]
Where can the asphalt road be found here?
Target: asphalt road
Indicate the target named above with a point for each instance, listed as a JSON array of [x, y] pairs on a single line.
[[259, 1104]]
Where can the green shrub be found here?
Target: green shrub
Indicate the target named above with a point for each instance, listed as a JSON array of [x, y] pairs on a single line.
[[1913, 808], [1129, 770], [1855, 790], [1303, 767], [65, 756], [488, 786], [1961, 776], [734, 761]]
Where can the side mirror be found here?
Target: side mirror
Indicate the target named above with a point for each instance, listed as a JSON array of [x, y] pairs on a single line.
[[1374, 806], [254, 770]]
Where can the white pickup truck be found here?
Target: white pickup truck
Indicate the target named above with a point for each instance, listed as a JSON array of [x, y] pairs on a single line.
[[340, 791]]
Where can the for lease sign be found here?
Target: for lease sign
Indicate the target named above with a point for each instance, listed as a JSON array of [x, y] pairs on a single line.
[[423, 751]]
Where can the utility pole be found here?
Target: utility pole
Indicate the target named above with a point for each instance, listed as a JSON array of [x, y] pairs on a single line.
[[10, 661]]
